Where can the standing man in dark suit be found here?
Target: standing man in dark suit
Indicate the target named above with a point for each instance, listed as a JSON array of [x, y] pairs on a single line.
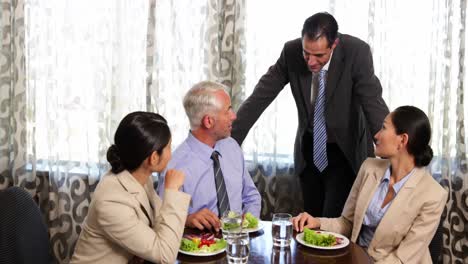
[[339, 104]]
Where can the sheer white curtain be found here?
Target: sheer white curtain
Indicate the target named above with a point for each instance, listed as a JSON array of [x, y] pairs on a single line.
[[179, 59], [85, 70]]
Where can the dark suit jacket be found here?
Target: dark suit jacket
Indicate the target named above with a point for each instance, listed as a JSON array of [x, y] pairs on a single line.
[[354, 106]]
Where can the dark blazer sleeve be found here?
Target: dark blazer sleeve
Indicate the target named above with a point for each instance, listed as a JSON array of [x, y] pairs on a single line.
[[368, 89], [264, 93]]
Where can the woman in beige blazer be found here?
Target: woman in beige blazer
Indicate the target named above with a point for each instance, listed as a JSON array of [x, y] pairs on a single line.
[[395, 205], [126, 219]]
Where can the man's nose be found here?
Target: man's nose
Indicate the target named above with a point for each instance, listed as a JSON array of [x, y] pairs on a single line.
[[311, 60]]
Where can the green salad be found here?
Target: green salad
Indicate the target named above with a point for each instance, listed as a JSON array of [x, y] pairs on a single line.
[[204, 243], [318, 239], [249, 221]]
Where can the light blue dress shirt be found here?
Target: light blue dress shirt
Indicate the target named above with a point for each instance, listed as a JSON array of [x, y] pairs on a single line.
[[375, 212], [193, 157]]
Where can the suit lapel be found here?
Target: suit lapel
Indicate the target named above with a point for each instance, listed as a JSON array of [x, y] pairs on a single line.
[[398, 206], [306, 86], [139, 192], [151, 194], [365, 197], [334, 71]]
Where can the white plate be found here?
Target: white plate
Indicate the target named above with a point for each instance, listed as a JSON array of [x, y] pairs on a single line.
[[202, 254], [345, 241], [254, 229]]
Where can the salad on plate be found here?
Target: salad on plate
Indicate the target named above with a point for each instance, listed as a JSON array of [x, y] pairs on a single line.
[[205, 244], [322, 239], [233, 220]]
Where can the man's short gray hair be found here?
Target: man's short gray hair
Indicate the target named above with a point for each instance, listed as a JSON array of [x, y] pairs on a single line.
[[200, 100]]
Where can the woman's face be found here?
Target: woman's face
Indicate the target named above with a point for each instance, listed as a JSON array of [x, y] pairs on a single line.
[[387, 142], [164, 158]]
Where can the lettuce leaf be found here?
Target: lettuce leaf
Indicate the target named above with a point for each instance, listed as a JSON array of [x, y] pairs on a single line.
[[250, 221], [230, 226], [188, 245], [314, 238], [220, 244]]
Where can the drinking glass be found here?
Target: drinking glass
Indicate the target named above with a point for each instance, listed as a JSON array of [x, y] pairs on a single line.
[[281, 255], [238, 247], [281, 230], [231, 222]]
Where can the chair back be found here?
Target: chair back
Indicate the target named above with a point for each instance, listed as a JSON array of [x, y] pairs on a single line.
[[23, 233], [436, 245]]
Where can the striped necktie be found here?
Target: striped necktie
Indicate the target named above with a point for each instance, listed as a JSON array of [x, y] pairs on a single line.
[[320, 127], [223, 199]]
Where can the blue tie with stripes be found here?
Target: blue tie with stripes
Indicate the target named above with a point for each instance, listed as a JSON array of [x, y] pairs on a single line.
[[320, 127]]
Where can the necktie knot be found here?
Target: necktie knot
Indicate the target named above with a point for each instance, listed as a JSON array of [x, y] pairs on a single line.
[[215, 156], [322, 74]]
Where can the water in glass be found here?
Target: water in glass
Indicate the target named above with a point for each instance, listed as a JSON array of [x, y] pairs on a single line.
[[231, 223], [281, 255], [282, 230], [237, 247]]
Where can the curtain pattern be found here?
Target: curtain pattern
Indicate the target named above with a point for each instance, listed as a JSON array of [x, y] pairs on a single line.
[[13, 100], [177, 44], [434, 64], [50, 102], [225, 49], [453, 163]]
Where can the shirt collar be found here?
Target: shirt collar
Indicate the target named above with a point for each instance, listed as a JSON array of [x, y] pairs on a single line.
[[201, 148], [326, 66], [397, 186]]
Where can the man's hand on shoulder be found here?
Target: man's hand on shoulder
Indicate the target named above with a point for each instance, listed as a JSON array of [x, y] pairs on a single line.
[[203, 219]]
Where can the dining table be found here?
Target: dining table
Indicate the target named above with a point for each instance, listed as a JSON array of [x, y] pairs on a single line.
[[263, 251]]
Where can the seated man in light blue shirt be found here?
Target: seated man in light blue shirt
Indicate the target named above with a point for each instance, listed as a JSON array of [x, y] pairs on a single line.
[[213, 162]]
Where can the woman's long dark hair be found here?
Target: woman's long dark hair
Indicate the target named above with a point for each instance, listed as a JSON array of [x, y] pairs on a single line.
[[414, 122], [137, 136]]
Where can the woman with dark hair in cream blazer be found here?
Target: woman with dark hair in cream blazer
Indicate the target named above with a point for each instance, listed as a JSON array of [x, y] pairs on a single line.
[[395, 205], [126, 219]]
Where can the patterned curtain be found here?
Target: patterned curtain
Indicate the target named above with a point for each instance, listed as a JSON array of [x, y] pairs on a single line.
[[429, 72], [14, 138], [225, 45], [65, 84]]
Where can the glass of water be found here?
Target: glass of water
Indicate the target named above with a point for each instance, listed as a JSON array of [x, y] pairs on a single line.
[[281, 230], [231, 222], [238, 247], [281, 255]]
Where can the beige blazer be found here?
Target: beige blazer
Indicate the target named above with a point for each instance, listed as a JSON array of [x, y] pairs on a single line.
[[407, 228], [117, 228]]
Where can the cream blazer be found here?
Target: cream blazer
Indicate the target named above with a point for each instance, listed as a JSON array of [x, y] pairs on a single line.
[[407, 228], [117, 226]]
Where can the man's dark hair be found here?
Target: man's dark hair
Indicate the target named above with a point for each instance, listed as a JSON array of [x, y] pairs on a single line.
[[321, 24]]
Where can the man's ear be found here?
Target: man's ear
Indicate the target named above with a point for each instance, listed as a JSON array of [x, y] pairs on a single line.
[[207, 121], [337, 40]]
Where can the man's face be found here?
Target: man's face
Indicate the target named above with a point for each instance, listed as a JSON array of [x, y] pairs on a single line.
[[316, 52], [224, 117]]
